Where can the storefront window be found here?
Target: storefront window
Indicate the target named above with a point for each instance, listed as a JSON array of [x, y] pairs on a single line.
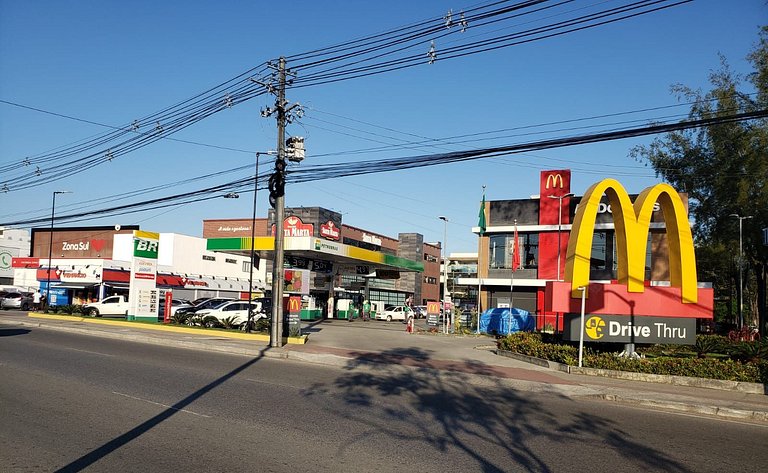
[[498, 251], [501, 250]]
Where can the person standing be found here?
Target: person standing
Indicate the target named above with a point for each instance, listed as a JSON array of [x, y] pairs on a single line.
[[36, 297]]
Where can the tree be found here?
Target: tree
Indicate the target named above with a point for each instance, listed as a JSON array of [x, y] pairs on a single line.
[[724, 170]]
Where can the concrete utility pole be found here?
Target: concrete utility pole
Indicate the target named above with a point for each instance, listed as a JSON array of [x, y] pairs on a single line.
[[277, 190], [278, 272]]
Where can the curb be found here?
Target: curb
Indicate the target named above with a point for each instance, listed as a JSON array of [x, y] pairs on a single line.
[[706, 383], [169, 328]]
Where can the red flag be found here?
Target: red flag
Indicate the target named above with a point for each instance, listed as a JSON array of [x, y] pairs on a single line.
[[515, 252]]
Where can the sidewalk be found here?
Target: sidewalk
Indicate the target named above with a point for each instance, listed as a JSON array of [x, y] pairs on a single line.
[[362, 345]]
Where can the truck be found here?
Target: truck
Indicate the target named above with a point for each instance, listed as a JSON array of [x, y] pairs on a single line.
[[112, 305]]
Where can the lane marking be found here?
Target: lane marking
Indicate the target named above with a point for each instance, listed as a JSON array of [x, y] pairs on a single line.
[[159, 404], [88, 351], [274, 384]]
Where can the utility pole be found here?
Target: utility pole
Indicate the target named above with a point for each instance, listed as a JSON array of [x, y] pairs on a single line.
[[278, 272], [277, 193]]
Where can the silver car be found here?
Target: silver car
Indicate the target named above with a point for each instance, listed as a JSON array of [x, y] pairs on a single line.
[[16, 300]]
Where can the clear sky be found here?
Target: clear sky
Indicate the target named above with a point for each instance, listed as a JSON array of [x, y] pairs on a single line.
[[110, 62]]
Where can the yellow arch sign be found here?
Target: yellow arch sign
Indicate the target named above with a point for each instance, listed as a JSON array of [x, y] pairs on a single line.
[[632, 223]]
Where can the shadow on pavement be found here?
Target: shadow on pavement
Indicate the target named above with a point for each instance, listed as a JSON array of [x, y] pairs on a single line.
[[9, 332], [495, 426], [109, 447]]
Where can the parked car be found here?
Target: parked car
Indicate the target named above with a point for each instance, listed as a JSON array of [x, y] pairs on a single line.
[[400, 312], [176, 304], [112, 305], [210, 303], [236, 309], [420, 311], [16, 300]]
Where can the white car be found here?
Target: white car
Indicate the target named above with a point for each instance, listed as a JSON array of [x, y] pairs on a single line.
[[237, 309], [400, 312]]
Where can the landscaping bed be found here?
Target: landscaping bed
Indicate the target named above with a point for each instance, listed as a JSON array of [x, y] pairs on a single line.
[[712, 357]]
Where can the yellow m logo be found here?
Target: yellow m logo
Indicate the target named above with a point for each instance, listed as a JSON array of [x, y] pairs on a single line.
[[552, 180], [632, 223]]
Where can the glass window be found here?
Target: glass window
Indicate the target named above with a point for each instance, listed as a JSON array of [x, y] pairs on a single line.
[[498, 251], [501, 247], [602, 246], [529, 257]]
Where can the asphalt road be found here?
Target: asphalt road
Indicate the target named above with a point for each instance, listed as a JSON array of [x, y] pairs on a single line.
[[70, 402]]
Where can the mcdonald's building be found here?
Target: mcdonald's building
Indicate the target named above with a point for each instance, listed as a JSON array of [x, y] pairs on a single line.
[[544, 265]]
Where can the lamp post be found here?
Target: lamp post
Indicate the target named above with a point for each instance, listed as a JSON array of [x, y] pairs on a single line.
[[583, 290], [445, 272], [50, 250], [253, 237], [741, 283]]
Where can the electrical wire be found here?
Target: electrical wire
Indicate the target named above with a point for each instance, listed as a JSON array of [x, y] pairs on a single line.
[[332, 171]]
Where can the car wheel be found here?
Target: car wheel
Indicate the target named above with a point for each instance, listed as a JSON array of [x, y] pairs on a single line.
[[389, 318], [93, 312]]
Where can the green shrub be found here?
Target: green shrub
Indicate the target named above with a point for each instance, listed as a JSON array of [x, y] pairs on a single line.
[[706, 344], [531, 344], [207, 321], [755, 371], [749, 351], [260, 325], [180, 319], [230, 322]]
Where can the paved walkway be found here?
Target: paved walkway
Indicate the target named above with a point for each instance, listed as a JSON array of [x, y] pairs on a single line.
[[361, 344]]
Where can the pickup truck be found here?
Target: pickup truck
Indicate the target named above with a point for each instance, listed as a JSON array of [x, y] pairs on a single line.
[[112, 305]]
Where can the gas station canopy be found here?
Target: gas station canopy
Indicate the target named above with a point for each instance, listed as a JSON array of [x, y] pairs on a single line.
[[343, 257]]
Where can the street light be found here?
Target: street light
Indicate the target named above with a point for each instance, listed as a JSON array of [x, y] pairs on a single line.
[[741, 283], [559, 225], [50, 250], [445, 272]]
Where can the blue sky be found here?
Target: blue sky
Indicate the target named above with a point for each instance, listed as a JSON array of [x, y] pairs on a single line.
[[110, 62]]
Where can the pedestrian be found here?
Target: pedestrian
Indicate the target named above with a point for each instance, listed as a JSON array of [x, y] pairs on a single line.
[[36, 297]]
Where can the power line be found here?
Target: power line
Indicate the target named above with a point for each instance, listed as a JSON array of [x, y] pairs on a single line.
[[331, 171]]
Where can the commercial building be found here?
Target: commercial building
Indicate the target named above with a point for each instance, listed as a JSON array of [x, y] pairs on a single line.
[[89, 263], [341, 264], [541, 225], [13, 243]]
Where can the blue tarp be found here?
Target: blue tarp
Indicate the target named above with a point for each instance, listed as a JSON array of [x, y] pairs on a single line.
[[506, 321]]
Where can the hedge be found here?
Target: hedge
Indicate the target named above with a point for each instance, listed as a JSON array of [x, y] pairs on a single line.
[[531, 344]]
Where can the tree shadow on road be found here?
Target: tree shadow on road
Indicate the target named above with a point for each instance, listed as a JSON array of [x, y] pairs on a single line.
[[10, 332], [499, 427], [114, 444]]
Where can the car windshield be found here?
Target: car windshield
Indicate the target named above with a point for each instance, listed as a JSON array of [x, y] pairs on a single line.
[[217, 303]]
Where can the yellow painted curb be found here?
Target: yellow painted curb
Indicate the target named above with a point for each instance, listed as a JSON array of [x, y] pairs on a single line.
[[170, 328]]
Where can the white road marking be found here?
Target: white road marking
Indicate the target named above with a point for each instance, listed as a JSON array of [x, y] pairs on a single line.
[[159, 404], [88, 351], [274, 384]]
